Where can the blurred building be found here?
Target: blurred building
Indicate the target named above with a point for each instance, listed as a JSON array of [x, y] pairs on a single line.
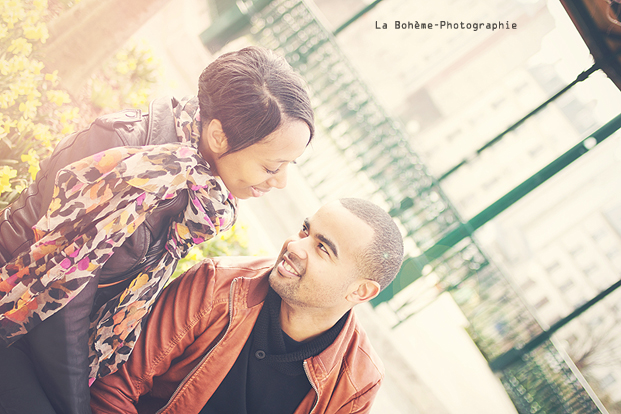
[[455, 90]]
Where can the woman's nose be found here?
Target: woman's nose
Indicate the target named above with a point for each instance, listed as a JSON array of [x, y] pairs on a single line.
[[279, 180]]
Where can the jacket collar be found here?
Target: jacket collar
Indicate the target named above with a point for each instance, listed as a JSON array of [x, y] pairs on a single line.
[[332, 357], [254, 290], [249, 292]]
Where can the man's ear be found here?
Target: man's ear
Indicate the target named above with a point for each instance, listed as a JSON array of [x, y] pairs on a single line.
[[215, 139], [366, 290]]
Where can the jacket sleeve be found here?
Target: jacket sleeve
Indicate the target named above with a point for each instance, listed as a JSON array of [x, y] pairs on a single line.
[[176, 320]]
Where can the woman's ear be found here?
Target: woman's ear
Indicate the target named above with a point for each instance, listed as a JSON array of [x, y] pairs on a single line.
[[366, 290], [214, 138]]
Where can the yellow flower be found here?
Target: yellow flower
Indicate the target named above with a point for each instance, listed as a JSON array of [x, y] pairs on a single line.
[[6, 173], [29, 108], [18, 63], [23, 86], [42, 133], [122, 55], [6, 99], [6, 125], [4, 67], [34, 94], [58, 97], [67, 129], [38, 32], [12, 13], [138, 98], [41, 5], [33, 161], [195, 254], [20, 47], [23, 124], [68, 115], [52, 77], [36, 66], [122, 68]]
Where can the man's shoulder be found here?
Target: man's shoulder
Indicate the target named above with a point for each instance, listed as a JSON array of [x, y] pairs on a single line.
[[223, 270], [242, 266], [365, 353], [211, 279], [353, 353]]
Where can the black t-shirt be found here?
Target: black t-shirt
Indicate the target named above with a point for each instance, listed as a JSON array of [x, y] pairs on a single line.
[[268, 376]]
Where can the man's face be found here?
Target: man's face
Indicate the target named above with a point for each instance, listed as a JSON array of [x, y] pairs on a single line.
[[317, 268]]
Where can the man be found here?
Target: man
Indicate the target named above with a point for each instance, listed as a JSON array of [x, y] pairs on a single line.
[[241, 335]]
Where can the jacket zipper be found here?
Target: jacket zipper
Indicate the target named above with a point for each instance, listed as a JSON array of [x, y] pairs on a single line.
[[305, 364], [208, 353]]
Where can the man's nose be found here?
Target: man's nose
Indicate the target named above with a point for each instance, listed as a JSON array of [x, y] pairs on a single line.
[[298, 247]]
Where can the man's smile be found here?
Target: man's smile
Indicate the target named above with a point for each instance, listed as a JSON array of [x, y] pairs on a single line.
[[288, 266]]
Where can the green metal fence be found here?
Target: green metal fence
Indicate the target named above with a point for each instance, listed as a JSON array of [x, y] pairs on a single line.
[[545, 382], [376, 148]]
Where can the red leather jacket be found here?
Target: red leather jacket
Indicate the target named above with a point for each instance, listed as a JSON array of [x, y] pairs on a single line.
[[197, 329]]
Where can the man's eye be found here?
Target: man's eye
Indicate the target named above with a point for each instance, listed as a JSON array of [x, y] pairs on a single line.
[[322, 248], [304, 231]]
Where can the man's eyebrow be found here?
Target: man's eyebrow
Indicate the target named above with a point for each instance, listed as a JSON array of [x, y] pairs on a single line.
[[323, 239], [329, 243]]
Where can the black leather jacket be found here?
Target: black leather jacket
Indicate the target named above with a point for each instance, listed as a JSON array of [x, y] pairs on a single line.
[[59, 346]]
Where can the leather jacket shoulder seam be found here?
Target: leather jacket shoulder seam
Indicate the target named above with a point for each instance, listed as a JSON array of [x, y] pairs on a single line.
[[176, 339]]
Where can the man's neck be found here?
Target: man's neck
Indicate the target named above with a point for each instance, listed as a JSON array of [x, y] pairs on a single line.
[[302, 325]]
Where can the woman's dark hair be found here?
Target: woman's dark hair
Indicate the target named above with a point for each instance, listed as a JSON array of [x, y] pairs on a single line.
[[252, 92]]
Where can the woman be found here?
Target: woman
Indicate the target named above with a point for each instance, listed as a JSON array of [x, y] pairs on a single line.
[[116, 206]]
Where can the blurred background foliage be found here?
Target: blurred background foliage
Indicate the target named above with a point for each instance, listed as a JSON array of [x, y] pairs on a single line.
[[126, 80], [230, 243], [35, 112]]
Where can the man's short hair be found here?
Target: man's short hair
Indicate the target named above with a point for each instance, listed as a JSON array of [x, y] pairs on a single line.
[[382, 259]]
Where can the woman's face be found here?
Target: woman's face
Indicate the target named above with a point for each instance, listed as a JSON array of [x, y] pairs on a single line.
[[254, 170]]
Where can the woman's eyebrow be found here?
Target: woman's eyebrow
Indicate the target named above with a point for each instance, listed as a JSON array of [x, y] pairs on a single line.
[[280, 161]]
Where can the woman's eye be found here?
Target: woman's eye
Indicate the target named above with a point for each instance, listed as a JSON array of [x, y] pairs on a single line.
[[272, 171]]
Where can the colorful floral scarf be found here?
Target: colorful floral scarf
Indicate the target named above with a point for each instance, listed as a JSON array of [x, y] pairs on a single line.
[[98, 203]]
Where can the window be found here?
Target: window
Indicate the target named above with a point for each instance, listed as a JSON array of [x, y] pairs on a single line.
[[566, 285], [575, 250], [541, 303], [599, 233], [590, 269], [552, 266], [529, 283], [613, 252]]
